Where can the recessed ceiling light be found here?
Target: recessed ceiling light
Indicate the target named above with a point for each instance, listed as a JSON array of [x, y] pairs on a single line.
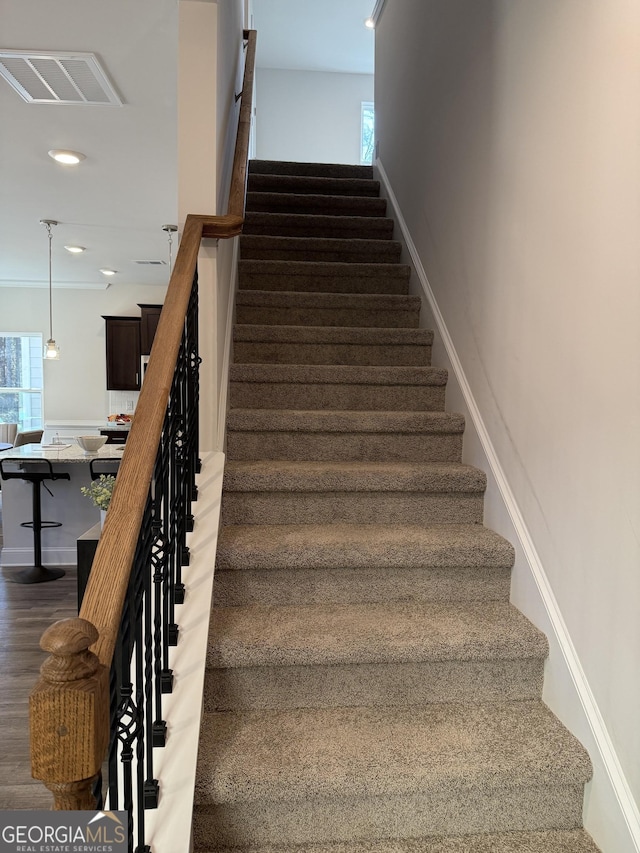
[[69, 158], [75, 250], [108, 272], [370, 23]]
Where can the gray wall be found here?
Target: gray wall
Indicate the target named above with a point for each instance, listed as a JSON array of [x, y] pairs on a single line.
[[514, 156], [295, 108]]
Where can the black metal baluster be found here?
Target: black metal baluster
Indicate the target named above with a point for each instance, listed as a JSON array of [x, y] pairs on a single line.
[[162, 680], [140, 673], [145, 651], [139, 567], [127, 720]]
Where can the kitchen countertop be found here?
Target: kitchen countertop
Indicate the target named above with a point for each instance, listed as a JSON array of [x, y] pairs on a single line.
[[67, 453]]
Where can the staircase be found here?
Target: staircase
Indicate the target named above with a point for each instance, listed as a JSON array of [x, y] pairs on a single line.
[[369, 688]]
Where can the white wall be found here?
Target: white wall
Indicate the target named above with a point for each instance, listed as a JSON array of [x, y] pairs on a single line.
[[230, 78], [515, 161], [295, 108], [74, 386], [197, 176], [209, 67]]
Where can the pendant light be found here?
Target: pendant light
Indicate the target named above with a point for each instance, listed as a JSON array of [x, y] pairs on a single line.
[[51, 350], [170, 230]]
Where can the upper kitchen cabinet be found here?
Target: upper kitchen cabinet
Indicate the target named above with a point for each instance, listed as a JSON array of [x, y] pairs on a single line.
[[123, 353], [148, 326]]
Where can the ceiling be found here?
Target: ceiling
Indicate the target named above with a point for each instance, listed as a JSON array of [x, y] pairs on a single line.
[[115, 202], [305, 35]]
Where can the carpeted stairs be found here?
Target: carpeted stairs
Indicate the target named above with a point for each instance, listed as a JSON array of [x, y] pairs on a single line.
[[369, 689]]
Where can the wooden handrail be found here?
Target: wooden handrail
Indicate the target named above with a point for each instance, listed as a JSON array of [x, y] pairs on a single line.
[[67, 748], [241, 155]]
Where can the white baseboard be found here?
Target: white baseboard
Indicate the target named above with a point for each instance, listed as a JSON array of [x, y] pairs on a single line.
[[610, 814], [50, 556], [168, 828]]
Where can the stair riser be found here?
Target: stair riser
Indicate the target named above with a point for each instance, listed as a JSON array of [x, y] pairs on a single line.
[[351, 508], [261, 352], [355, 255], [327, 170], [367, 229], [353, 317], [302, 586], [375, 398], [279, 687], [306, 283], [313, 185], [344, 447], [315, 205], [445, 812]]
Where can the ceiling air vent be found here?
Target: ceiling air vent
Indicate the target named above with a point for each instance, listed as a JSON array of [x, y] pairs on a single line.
[[152, 263], [57, 78]]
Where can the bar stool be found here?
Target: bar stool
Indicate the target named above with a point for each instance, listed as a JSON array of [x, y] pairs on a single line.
[[104, 465], [34, 472]]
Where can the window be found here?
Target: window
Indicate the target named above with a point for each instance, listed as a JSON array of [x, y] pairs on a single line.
[[366, 133], [21, 380]]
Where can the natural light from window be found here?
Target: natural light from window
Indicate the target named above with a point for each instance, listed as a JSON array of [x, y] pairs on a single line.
[[367, 133], [21, 380]]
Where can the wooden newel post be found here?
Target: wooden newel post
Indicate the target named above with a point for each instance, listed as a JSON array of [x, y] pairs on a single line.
[[69, 715]]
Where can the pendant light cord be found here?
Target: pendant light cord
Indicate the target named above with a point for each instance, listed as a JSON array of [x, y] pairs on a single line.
[[48, 226]]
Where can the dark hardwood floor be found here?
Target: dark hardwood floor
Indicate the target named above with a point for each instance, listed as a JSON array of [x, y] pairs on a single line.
[[25, 612]]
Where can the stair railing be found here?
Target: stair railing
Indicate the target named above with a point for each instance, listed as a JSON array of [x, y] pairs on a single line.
[[98, 702]]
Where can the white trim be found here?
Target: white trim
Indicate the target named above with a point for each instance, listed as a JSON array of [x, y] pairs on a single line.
[[168, 828], [228, 341], [620, 793], [378, 9], [23, 557]]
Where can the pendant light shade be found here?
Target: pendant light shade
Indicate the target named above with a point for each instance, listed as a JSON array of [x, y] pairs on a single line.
[[51, 350]]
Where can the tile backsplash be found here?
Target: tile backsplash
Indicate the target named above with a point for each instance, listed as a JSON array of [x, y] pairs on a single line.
[[123, 402]]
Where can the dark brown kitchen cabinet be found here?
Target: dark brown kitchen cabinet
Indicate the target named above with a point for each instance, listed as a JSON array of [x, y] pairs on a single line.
[[115, 436], [148, 325], [123, 353]]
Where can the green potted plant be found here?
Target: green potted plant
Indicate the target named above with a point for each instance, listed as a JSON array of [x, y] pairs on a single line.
[[99, 492]]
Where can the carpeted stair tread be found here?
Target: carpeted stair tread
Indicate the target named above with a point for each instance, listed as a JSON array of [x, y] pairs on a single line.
[[327, 170], [341, 421], [337, 374], [323, 276], [363, 335], [331, 386], [330, 249], [268, 307], [313, 184], [338, 301], [551, 841], [360, 546], [344, 436], [317, 225], [285, 476], [336, 205], [351, 492], [351, 345], [393, 632], [451, 749]]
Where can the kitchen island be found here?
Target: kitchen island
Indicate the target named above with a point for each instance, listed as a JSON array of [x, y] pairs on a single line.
[[67, 505]]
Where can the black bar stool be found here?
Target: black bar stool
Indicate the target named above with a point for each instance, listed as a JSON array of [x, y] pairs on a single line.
[[104, 465], [34, 472]]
